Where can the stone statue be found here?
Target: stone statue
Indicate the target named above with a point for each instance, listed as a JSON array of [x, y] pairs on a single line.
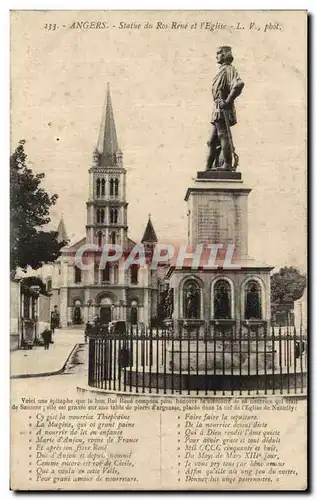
[[253, 306], [192, 303], [169, 304], [96, 158], [222, 304], [226, 86]]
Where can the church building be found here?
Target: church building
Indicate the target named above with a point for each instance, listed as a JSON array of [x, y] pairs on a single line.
[[112, 293]]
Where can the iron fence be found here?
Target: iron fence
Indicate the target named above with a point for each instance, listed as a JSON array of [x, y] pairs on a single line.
[[248, 361]]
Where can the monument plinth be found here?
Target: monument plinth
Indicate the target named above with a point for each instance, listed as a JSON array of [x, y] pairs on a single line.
[[218, 211], [222, 309], [222, 175], [232, 295]]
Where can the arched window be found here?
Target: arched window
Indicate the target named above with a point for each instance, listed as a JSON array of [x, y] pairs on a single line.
[[252, 300], [102, 215], [116, 187], [111, 182], [113, 216], [105, 310], [134, 274], [49, 285], [191, 300], [113, 238], [222, 300], [106, 272], [98, 187], [116, 273], [77, 275], [103, 187], [99, 239], [96, 273]]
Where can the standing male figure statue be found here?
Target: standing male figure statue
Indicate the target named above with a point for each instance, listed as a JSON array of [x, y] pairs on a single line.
[[192, 303], [226, 86]]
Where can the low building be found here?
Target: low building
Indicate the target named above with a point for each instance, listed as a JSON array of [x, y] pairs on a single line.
[[29, 314]]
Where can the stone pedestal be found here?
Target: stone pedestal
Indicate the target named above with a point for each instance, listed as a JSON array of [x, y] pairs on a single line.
[[213, 175], [220, 357], [212, 347], [192, 328], [218, 210]]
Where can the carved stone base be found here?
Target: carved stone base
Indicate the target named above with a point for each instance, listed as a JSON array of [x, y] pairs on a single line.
[[219, 175], [168, 324], [191, 328], [220, 356]]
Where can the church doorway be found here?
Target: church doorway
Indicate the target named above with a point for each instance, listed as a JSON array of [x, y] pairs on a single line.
[[77, 319], [134, 312], [105, 314], [134, 315]]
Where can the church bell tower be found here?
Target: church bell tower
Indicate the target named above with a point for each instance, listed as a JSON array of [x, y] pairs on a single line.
[[107, 206]]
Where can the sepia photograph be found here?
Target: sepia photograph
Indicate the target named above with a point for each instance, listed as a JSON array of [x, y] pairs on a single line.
[[158, 250]]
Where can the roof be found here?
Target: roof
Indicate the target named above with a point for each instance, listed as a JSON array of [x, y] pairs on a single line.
[[108, 142], [76, 245], [61, 230], [222, 261], [149, 235]]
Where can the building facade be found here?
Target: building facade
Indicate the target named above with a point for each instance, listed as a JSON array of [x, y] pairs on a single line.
[[110, 291], [232, 293]]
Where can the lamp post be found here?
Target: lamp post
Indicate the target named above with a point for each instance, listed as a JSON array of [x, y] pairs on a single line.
[[89, 304], [117, 307], [35, 312], [121, 310]]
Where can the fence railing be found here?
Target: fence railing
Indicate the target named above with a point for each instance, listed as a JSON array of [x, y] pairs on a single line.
[[233, 362]]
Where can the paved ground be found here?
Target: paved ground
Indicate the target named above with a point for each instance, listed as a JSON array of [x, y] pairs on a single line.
[[40, 362]]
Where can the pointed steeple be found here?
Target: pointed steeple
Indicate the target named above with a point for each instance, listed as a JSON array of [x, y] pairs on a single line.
[[149, 233], [62, 234], [107, 147]]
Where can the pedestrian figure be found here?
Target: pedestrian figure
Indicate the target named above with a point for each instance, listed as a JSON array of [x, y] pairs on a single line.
[[54, 319], [124, 358], [47, 335]]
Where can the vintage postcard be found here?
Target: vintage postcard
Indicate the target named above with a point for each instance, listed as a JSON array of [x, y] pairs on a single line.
[[158, 250]]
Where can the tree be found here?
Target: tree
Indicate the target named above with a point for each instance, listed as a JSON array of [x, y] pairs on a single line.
[[287, 285], [35, 281], [30, 207]]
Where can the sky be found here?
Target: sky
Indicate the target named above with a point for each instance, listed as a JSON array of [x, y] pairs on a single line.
[[160, 83]]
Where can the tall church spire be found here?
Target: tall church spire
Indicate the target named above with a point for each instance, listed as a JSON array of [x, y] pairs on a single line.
[[108, 149], [61, 230], [107, 205]]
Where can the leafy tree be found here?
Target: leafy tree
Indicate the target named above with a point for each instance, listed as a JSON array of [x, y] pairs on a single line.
[[35, 281], [287, 285], [30, 207]]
